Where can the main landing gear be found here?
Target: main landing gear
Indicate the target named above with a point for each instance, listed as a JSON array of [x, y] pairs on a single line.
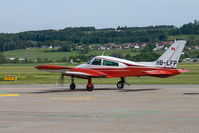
[[121, 83], [89, 86]]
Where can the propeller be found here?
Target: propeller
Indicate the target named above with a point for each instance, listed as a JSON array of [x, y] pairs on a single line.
[[61, 80]]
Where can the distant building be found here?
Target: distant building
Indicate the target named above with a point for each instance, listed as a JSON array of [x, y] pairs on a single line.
[[71, 61], [189, 48], [196, 47], [56, 47], [11, 58], [79, 47], [143, 44], [166, 42], [158, 48], [44, 47], [101, 48], [136, 46], [118, 47], [195, 59], [127, 45], [22, 59]]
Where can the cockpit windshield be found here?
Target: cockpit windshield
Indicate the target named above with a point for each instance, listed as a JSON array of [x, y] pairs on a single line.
[[96, 61], [89, 62]]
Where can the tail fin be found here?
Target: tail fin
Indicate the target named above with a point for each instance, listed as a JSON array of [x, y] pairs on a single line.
[[172, 55]]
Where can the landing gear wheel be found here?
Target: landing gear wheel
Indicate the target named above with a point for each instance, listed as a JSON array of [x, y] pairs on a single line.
[[120, 85], [90, 88], [72, 86]]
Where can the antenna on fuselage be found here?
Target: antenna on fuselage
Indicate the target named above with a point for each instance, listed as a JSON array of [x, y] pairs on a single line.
[[103, 53]]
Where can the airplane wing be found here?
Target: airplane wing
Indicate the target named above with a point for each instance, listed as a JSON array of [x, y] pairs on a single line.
[[76, 72], [53, 68]]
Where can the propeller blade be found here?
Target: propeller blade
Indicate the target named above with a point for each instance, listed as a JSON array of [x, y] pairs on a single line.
[[61, 80], [62, 76]]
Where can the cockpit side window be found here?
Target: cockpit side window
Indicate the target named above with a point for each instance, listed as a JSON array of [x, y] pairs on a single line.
[[96, 61], [110, 63]]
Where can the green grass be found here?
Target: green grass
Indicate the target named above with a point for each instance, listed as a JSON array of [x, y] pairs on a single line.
[[27, 74], [34, 53], [110, 51], [55, 56], [184, 37]]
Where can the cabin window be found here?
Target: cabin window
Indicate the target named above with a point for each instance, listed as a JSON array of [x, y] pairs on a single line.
[[96, 61], [110, 63]]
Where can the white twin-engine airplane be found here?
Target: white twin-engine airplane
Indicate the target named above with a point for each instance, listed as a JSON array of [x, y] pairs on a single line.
[[111, 67]]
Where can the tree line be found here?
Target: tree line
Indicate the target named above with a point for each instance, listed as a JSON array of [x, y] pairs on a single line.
[[68, 37]]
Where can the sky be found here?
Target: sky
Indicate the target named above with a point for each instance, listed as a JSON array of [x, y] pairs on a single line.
[[25, 15]]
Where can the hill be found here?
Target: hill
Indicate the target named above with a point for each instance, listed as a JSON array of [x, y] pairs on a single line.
[[66, 39], [34, 53]]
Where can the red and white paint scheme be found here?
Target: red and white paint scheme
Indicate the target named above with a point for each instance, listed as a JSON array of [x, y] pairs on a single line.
[[111, 67]]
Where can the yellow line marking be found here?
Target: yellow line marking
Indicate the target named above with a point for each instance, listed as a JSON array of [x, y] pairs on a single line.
[[9, 95], [100, 97]]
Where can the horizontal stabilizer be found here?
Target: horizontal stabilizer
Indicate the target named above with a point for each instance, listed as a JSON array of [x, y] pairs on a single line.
[[157, 72], [164, 73], [183, 70]]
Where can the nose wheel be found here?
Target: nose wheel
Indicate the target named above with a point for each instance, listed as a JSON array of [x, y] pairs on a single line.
[[72, 85]]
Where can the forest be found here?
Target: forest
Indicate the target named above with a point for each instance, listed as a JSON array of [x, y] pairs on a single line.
[[69, 37]]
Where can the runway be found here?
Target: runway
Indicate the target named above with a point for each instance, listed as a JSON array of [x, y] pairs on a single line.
[[137, 108]]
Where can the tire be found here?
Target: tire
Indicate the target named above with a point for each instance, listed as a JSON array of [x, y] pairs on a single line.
[[72, 86], [120, 85], [90, 88]]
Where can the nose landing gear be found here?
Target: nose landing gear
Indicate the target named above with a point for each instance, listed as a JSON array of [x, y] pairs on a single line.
[[72, 85]]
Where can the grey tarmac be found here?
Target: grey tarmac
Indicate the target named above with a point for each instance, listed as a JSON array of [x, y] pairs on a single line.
[[51, 108]]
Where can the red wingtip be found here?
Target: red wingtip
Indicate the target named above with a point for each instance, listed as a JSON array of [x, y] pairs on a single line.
[[38, 67], [51, 67]]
